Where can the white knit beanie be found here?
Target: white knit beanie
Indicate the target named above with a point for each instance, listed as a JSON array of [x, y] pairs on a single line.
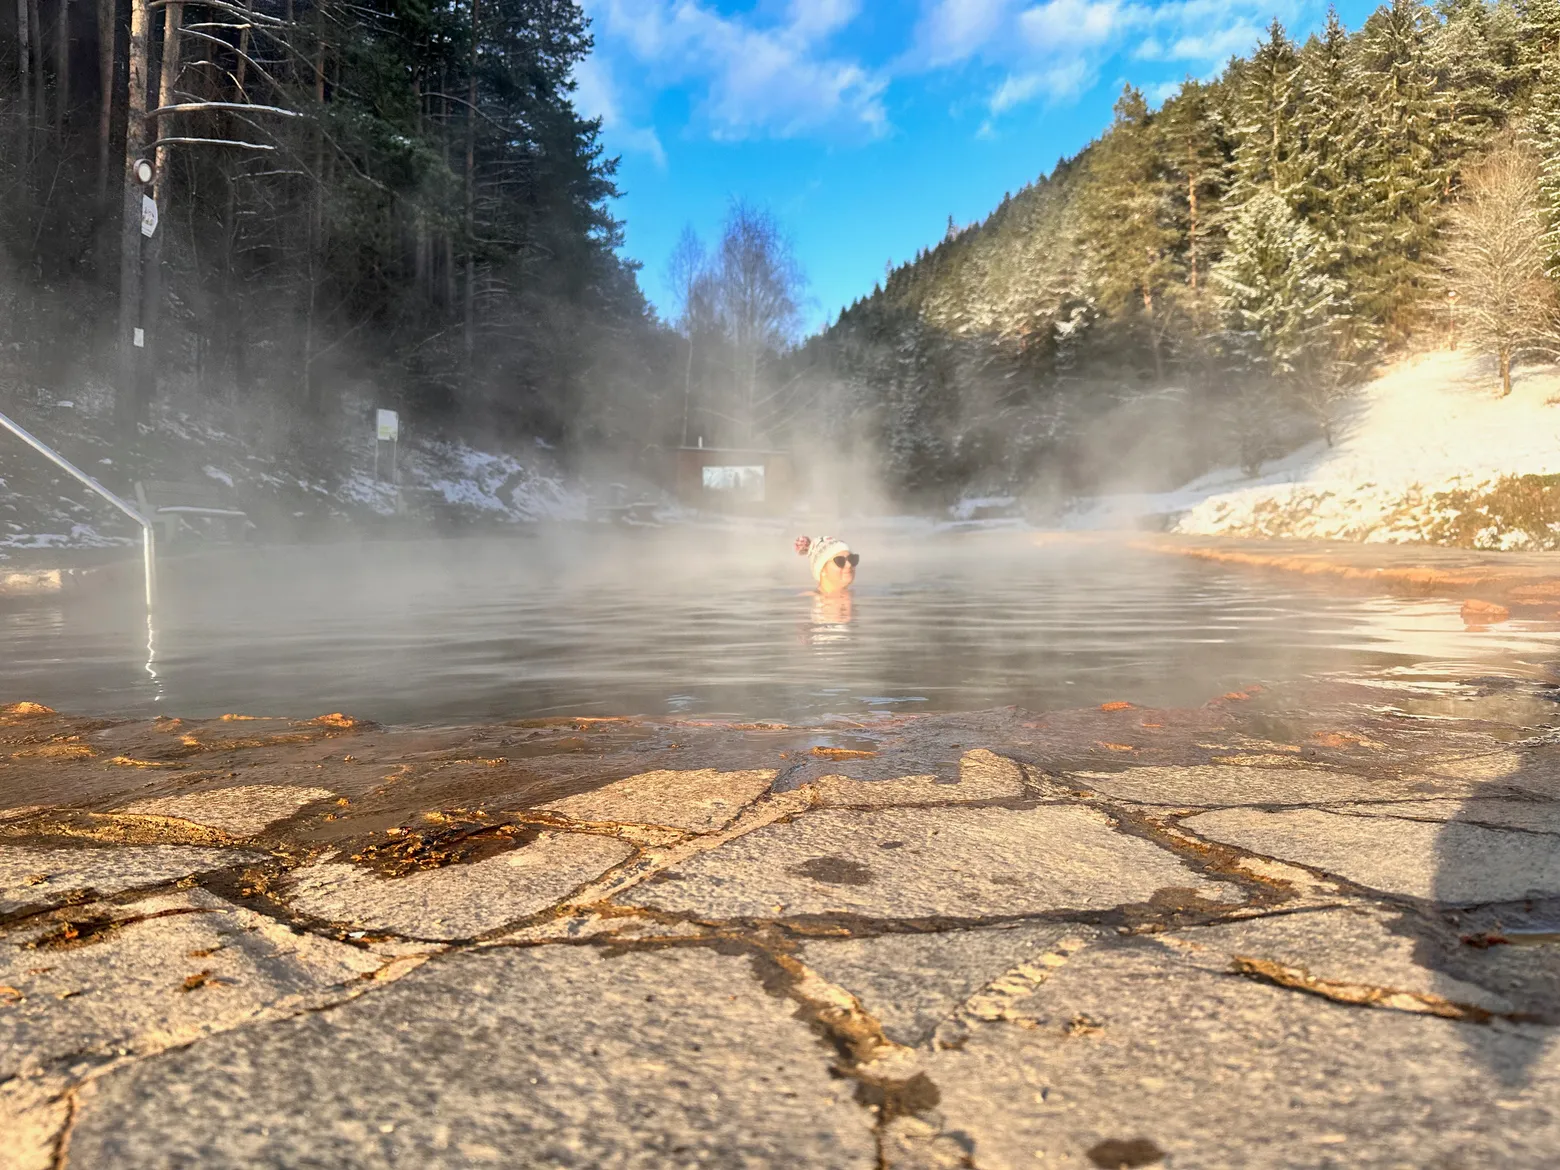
[[821, 551]]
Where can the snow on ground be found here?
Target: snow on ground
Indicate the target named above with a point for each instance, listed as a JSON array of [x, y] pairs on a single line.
[[1432, 424]]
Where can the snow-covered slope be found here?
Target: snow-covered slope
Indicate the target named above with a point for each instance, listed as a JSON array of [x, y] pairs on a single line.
[[1432, 424]]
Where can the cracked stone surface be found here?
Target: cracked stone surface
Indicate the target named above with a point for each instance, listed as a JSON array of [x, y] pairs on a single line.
[[699, 801], [457, 901], [553, 1056], [242, 811], [925, 863], [1357, 945], [123, 990], [982, 776], [993, 939], [1224, 1073], [1453, 862], [30, 875], [913, 982]]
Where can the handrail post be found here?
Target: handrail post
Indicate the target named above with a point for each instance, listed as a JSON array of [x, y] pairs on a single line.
[[148, 534]]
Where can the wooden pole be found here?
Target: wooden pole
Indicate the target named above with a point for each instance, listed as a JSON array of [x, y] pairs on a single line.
[[130, 354], [151, 288]]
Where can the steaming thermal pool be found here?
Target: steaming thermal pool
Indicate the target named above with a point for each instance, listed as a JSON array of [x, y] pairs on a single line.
[[716, 622]]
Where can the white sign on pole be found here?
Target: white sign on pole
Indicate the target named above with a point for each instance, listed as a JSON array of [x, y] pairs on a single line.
[[148, 216], [389, 426], [138, 338]]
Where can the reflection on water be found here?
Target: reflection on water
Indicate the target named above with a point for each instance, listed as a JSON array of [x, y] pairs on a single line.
[[706, 621]]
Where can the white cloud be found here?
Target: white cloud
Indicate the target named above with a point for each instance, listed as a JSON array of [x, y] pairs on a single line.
[[1057, 83], [1064, 24], [595, 96], [751, 79], [1216, 44], [955, 30]]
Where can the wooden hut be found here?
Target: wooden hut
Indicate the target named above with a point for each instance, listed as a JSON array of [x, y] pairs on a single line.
[[737, 480]]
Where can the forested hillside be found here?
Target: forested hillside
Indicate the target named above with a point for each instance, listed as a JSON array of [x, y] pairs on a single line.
[[399, 195], [1208, 280]]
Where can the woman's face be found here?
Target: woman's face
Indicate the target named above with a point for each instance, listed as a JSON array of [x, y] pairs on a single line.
[[838, 574]]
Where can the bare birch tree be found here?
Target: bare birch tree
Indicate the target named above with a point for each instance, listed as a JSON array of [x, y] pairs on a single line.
[[1494, 259], [758, 290]]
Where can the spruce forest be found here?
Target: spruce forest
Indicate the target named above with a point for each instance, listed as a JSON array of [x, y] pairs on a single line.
[[404, 197]]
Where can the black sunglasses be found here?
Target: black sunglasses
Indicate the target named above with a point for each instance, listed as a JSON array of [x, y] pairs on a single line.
[[842, 560]]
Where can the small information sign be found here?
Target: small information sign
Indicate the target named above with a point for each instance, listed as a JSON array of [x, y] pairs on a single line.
[[389, 426], [148, 216]]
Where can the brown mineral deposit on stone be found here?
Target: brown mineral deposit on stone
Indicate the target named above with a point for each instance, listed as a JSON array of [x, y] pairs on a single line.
[[1357, 994], [1118, 705], [832, 753], [56, 751], [1476, 613], [1115, 747], [1117, 1154], [132, 762], [25, 710], [339, 721], [240, 718]]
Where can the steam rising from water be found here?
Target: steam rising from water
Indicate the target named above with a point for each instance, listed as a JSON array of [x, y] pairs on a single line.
[[710, 620]]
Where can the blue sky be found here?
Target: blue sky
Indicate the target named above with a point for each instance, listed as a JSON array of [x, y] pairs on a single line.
[[865, 124]]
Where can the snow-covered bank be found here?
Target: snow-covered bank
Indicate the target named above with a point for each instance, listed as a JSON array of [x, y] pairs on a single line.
[[283, 489], [1433, 425]]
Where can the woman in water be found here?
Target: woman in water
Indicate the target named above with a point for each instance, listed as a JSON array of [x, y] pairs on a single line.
[[833, 564]]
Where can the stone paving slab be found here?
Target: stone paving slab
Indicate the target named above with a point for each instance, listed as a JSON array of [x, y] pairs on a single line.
[[983, 776], [456, 901], [549, 1056], [925, 863], [1136, 1052], [30, 875], [1215, 786], [242, 811], [1456, 863], [699, 801], [1531, 816]]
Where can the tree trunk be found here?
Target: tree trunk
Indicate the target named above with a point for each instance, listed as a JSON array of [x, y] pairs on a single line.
[[469, 332], [151, 299], [316, 234], [36, 27], [1505, 371], [62, 72], [131, 355], [23, 63], [1191, 197], [1153, 333], [688, 385], [105, 23]]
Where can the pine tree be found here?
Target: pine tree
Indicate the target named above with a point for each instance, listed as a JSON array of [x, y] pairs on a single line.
[[1127, 209], [1543, 136], [1328, 121], [1195, 152], [1268, 152], [1280, 311], [1405, 164], [1477, 52]]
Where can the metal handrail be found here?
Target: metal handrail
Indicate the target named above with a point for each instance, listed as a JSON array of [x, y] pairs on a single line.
[[148, 536]]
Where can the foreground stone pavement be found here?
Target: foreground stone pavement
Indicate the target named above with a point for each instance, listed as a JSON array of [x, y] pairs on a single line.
[[1296, 929]]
